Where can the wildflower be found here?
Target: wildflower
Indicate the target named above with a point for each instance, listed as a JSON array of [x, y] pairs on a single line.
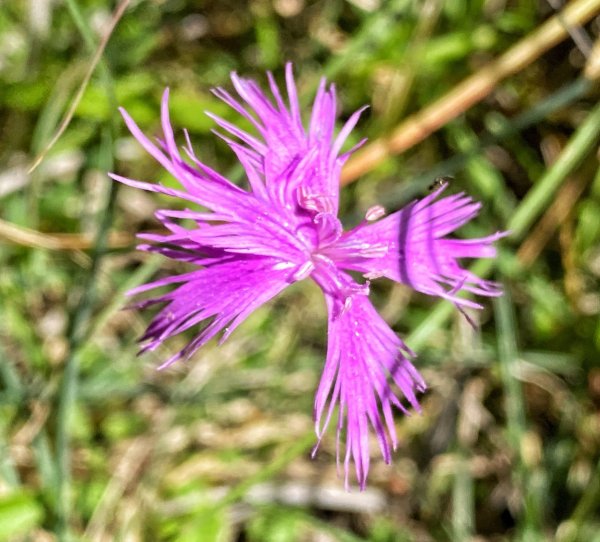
[[248, 245]]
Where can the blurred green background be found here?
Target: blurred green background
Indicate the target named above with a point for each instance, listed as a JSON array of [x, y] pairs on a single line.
[[95, 444]]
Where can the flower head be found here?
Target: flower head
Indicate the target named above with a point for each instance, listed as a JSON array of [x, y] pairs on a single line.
[[250, 244]]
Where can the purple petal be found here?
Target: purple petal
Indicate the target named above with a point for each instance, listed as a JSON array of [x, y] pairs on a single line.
[[366, 372], [220, 296], [411, 247], [285, 143]]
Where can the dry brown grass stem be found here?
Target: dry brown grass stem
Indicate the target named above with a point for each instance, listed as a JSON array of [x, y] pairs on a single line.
[[20, 235], [470, 91], [592, 66]]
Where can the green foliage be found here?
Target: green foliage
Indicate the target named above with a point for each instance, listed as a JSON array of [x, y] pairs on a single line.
[[20, 514]]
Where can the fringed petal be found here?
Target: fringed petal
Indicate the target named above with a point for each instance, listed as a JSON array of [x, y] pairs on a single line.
[[285, 142], [411, 247], [219, 296], [366, 373]]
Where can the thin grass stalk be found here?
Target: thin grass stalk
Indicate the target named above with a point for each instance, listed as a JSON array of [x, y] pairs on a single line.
[[107, 79], [589, 502], [463, 498], [516, 425], [68, 391], [544, 190], [508, 357]]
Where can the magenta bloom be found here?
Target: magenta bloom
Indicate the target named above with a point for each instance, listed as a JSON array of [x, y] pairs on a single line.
[[248, 245]]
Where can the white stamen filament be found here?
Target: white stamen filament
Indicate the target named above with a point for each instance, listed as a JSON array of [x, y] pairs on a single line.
[[304, 270], [373, 213]]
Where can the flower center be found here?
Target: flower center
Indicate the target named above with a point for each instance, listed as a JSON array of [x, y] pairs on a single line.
[[319, 230]]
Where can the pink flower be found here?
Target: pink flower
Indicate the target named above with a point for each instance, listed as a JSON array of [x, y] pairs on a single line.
[[251, 244]]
